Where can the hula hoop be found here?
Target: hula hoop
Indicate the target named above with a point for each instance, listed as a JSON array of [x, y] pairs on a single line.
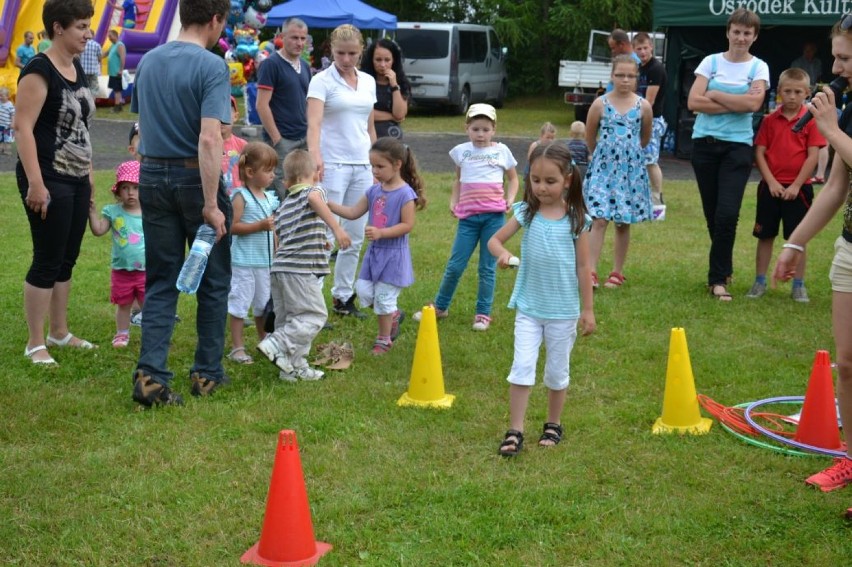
[[761, 444], [779, 438]]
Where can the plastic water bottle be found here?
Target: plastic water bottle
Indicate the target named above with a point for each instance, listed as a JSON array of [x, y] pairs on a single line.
[[193, 267]]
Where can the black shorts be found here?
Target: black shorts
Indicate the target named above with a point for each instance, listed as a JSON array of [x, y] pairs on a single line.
[[114, 83], [772, 210]]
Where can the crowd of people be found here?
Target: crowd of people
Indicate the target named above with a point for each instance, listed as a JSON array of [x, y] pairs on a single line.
[[333, 171]]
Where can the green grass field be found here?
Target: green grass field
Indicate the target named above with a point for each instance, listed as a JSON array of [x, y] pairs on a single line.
[[86, 479]]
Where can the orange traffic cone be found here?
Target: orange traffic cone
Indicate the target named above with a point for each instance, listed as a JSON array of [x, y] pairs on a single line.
[[680, 403], [288, 534], [426, 386], [818, 422]]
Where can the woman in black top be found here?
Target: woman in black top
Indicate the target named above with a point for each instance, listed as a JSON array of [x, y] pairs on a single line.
[[54, 170], [383, 60]]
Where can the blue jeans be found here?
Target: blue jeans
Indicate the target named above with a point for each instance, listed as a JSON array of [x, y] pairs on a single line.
[[721, 170], [172, 199], [473, 230]]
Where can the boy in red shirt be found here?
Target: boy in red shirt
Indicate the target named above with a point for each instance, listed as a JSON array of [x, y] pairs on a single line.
[[786, 160]]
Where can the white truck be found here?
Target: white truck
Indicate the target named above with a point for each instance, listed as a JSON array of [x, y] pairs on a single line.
[[586, 80]]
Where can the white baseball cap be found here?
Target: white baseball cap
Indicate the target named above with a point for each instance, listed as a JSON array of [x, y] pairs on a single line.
[[481, 109]]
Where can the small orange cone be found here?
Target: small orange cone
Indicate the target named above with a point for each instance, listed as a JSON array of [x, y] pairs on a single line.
[[680, 402], [426, 386], [288, 534], [818, 422]]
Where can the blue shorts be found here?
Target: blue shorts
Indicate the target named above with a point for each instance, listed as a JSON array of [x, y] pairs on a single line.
[[652, 150], [7, 135]]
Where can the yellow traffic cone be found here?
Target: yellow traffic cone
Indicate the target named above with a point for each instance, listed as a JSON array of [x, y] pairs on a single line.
[[426, 387], [680, 403]]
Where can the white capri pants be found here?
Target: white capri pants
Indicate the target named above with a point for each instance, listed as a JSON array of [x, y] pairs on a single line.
[[558, 335], [345, 184], [382, 296], [249, 288]]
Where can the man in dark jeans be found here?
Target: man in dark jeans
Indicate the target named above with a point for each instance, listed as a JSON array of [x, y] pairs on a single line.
[[182, 96]]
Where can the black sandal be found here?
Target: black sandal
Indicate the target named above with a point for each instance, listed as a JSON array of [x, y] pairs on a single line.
[[723, 295], [512, 443], [553, 433]]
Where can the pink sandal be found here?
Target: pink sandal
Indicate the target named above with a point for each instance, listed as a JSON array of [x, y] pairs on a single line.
[[615, 280]]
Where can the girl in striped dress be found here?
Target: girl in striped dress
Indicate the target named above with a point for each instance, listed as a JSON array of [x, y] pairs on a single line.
[[553, 289]]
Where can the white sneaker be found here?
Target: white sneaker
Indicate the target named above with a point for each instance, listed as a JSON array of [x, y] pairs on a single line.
[[305, 373], [277, 356]]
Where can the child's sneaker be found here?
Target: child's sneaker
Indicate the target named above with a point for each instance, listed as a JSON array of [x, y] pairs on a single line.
[[381, 346], [277, 356], [439, 313], [836, 476], [347, 307], [800, 294], [481, 322], [758, 289], [305, 373], [398, 318], [121, 339]]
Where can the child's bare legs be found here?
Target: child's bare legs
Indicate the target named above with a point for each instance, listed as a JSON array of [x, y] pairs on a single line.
[[655, 177], [519, 397], [596, 240], [764, 256], [622, 242], [237, 324], [122, 318], [555, 404], [800, 268], [258, 325], [385, 324]]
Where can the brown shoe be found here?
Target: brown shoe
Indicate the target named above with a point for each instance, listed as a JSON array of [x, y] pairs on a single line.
[[148, 392], [202, 386]]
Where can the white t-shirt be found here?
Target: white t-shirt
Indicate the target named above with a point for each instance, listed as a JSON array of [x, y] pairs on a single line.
[[734, 74], [482, 165], [344, 137]]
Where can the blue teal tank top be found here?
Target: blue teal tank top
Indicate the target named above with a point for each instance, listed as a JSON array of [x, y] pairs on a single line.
[[728, 126]]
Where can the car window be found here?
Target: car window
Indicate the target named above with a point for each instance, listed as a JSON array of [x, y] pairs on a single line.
[[473, 46], [424, 44]]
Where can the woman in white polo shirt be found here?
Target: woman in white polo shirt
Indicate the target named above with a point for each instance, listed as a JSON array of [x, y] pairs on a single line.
[[340, 134]]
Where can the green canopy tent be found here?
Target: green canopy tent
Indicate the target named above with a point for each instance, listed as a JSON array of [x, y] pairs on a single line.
[[696, 28]]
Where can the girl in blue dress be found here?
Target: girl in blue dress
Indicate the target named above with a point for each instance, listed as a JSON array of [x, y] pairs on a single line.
[[616, 187]]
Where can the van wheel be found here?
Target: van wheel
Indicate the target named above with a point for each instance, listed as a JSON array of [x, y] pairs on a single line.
[[464, 101], [501, 97]]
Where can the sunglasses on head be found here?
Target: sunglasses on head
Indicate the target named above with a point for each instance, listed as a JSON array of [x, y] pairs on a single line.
[[846, 22]]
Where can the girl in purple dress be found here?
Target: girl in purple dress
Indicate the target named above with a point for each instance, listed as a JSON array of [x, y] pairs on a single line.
[[391, 203]]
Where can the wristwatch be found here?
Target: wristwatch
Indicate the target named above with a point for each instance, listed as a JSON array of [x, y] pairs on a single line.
[[394, 88]]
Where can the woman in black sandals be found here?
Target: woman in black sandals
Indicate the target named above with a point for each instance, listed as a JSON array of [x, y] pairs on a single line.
[[54, 171], [728, 88]]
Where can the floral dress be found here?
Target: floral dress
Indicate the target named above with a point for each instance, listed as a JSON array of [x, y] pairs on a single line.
[[616, 186]]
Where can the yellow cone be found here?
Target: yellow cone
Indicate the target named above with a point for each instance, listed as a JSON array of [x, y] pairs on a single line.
[[426, 387], [680, 403]]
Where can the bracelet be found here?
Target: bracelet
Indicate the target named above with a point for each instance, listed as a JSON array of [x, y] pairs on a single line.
[[792, 246]]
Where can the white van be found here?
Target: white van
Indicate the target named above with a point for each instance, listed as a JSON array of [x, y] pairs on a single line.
[[453, 64]]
